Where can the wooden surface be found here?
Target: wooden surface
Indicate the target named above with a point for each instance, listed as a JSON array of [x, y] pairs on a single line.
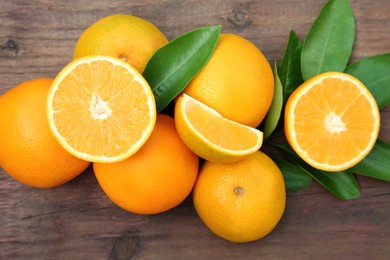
[[77, 221]]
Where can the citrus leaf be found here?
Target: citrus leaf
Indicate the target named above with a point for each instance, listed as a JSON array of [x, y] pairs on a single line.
[[329, 42], [343, 185], [377, 163], [173, 66], [290, 70], [294, 177], [374, 73], [275, 110]]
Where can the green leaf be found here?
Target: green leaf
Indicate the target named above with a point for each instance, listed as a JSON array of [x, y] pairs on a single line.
[[273, 115], [295, 178], [377, 163], [343, 185], [374, 72], [329, 42], [173, 66], [290, 70]]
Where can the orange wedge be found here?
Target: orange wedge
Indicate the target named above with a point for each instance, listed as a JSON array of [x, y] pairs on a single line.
[[101, 109], [211, 136], [332, 121]]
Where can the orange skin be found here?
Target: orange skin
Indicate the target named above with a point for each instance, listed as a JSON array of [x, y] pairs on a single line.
[[155, 179], [29, 152], [241, 201], [237, 81], [126, 37]]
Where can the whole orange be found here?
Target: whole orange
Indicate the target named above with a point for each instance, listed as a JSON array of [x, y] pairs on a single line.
[[241, 201], [130, 38], [156, 178], [237, 81], [29, 152]]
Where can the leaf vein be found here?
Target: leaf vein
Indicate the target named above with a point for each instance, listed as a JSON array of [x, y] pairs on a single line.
[[179, 66], [319, 69]]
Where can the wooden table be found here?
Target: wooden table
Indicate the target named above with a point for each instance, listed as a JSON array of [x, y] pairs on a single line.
[[77, 220]]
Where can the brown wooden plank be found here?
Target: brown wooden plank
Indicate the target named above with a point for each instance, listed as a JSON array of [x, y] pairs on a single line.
[[77, 221]]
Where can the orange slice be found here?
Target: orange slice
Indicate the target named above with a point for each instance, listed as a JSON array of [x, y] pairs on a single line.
[[101, 109], [211, 136], [332, 121]]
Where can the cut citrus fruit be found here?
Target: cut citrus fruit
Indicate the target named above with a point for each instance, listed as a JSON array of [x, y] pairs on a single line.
[[332, 121], [237, 81], [211, 136], [101, 109]]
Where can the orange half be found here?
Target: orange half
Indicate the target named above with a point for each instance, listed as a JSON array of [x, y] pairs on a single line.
[[211, 136], [332, 121], [101, 109]]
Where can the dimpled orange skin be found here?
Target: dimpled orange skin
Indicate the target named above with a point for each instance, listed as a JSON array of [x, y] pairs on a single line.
[[29, 152], [241, 201], [155, 179], [237, 81], [130, 38]]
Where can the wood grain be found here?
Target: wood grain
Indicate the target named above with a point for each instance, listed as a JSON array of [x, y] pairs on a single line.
[[77, 221]]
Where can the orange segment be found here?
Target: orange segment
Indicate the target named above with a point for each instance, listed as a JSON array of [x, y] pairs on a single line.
[[332, 121], [212, 136], [101, 109]]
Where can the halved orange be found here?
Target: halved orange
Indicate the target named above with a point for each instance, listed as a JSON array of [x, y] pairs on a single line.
[[101, 109], [211, 136], [332, 121]]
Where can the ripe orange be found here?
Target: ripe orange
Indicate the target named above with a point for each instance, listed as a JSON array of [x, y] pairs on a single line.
[[101, 109], [237, 81], [332, 121], [29, 152], [127, 37], [241, 201], [211, 136], [155, 179]]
